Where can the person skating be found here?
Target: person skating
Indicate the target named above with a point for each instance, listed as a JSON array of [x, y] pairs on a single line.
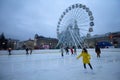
[[27, 51], [71, 49], [67, 50], [75, 51], [98, 51], [30, 51], [62, 51], [86, 58], [9, 50]]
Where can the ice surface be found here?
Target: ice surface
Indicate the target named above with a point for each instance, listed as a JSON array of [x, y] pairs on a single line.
[[49, 65]]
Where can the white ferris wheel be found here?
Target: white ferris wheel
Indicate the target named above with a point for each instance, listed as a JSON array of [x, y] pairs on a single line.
[[74, 25]]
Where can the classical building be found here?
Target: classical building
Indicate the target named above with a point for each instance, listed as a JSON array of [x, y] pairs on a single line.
[[41, 42], [26, 44]]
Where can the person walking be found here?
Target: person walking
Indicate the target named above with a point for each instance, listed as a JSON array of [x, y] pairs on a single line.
[[86, 58], [98, 51]]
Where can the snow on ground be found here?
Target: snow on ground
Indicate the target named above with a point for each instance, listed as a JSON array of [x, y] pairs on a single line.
[[49, 65]]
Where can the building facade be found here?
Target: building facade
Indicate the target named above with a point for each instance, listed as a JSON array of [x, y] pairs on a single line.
[[112, 38], [41, 42]]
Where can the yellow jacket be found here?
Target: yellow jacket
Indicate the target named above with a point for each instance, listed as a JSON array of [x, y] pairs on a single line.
[[86, 57]]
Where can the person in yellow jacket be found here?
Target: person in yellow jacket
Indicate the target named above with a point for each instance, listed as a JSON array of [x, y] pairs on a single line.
[[86, 58]]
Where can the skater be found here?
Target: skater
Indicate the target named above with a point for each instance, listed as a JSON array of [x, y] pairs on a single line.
[[62, 51], [30, 51], [71, 49], [86, 58], [67, 50], [9, 50], [75, 52], [98, 51], [27, 51]]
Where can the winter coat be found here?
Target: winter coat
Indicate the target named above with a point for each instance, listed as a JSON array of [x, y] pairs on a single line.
[[97, 50], [85, 57]]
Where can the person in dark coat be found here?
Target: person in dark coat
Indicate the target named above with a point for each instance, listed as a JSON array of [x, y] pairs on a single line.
[[9, 50], [98, 51], [67, 50], [62, 51], [27, 51]]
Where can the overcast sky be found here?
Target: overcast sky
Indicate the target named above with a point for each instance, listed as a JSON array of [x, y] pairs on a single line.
[[22, 19]]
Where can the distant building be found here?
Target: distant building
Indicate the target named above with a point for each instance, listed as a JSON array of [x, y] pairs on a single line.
[[13, 43], [112, 38], [6, 43], [41, 42], [26, 44], [115, 39]]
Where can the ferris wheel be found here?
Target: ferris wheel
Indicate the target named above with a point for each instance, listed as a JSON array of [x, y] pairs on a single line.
[[74, 25]]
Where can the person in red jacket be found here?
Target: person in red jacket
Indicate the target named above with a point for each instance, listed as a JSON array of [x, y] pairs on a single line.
[[71, 49]]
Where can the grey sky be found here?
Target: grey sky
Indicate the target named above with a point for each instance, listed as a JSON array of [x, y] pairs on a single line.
[[22, 19]]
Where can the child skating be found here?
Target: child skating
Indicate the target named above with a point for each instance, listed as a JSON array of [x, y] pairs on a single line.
[[85, 57]]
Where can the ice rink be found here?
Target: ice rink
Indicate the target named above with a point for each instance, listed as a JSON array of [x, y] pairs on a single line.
[[49, 65]]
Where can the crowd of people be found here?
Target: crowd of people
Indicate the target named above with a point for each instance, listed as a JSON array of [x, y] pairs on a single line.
[[66, 49], [84, 53], [28, 51]]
